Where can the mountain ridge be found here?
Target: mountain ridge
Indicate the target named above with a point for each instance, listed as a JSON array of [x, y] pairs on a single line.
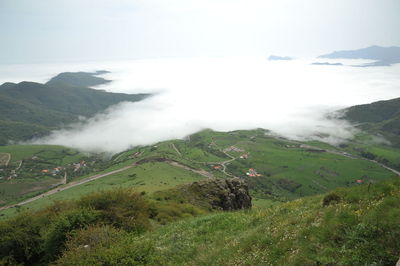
[[50, 105], [384, 56]]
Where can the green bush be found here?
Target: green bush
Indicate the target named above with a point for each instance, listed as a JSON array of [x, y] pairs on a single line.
[[20, 240], [64, 226], [331, 198], [107, 246], [122, 208], [94, 236]]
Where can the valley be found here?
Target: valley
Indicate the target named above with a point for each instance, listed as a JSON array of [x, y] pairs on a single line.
[[276, 169]]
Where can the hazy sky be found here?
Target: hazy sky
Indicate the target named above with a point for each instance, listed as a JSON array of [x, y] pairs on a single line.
[[79, 30]]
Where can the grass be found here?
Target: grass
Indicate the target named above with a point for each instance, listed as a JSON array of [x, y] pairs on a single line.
[[361, 229], [380, 149], [24, 174], [287, 171], [148, 177], [11, 190], [50, 152]]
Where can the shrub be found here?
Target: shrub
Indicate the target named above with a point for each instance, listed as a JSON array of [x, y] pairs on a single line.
[[331, 198], [122, 208], [20, 240], [114, 248], [64, 226], [94, 236]]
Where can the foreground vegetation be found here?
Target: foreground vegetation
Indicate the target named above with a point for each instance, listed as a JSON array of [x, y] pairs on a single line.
[[347, 226]]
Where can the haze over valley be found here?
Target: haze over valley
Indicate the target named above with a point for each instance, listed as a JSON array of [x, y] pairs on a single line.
[[291, 98]]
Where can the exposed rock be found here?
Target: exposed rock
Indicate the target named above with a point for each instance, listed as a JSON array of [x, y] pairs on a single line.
[[221, 194]]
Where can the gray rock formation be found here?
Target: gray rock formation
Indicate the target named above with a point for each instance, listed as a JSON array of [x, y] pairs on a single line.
[[221, 194]]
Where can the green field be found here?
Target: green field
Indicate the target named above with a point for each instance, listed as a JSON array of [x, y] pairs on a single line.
[[285, 171], [35, 168], [148, 177], [59, 154]]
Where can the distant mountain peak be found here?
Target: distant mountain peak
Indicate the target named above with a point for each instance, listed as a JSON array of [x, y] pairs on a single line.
[[277, 57], [384, 56], [80, 79]]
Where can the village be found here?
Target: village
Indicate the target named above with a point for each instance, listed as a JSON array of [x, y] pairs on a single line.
[[251, 172], [36, 167]]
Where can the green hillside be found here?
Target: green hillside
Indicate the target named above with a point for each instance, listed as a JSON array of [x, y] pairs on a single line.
[[313, 204], [276, 169], [348, 226], [30, 109], [381, 117]]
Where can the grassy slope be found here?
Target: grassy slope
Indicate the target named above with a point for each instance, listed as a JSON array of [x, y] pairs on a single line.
[[284, 168], [50, 152], [147, 177], [361, 229], [287, 173], [379, 118]]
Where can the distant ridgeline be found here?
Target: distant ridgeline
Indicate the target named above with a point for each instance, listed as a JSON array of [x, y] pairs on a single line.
[[381, 117], [384, 56], [277, 57], [30, 109]]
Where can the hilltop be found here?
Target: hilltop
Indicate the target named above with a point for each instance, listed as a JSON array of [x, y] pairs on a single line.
[[30, 109], [79, 79]]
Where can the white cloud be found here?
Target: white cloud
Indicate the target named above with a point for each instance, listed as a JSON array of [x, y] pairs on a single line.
[[289, 98]]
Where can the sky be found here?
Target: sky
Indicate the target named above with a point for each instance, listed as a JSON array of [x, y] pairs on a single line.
[[49, 31]]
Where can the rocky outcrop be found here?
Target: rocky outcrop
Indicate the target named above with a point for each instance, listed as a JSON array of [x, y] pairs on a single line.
[[220, 194]]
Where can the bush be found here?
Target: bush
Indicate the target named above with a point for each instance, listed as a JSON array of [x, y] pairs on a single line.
[[122, 208], [331, 198], [104, 245], [64, 226], [20, 240], [94, 236]]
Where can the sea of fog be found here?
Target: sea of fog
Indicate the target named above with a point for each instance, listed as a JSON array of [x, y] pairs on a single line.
[[291, 98]]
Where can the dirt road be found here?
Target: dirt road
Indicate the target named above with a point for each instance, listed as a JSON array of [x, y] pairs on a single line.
[[200, 172], [67, 186]]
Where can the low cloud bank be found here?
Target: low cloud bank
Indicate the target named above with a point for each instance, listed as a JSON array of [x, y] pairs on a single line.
[[290, 98]]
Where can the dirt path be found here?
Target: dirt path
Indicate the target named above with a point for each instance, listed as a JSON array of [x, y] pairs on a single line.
[[176, 149], [67, 186], [19, 166], [200, 172], [5, 158], [224, 163]]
